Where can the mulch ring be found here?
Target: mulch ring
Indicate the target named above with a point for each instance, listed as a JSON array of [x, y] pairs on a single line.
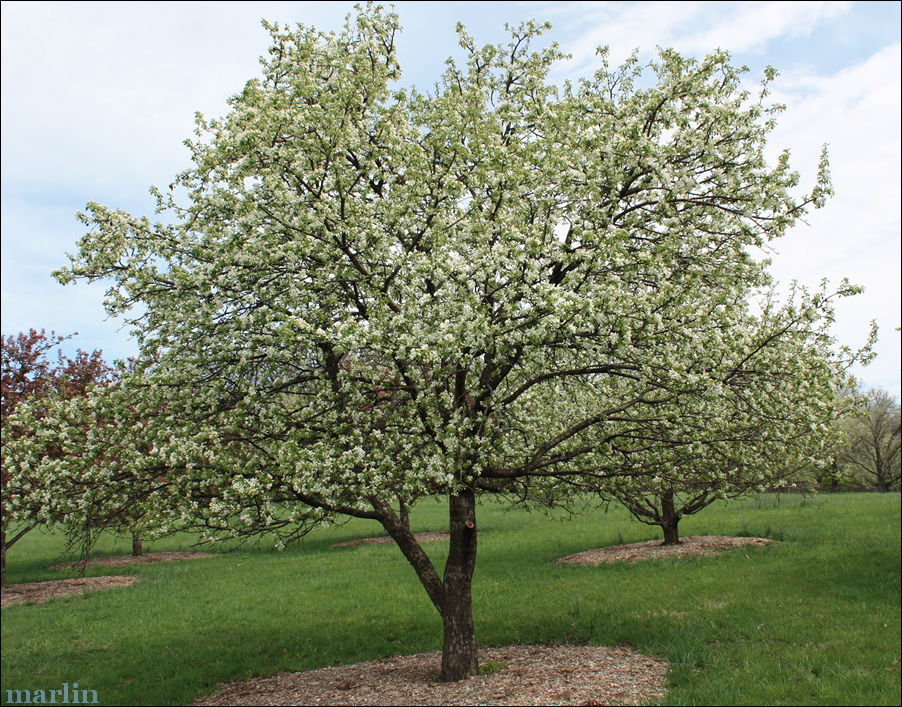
[[653, 549], [39, 592], [430, 537], [121, 560], [526, 675]]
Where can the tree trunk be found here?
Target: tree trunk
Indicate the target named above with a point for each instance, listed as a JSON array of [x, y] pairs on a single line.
[[671, 534], [459, 658], [670, 520], [451, 595], [404, 514], [137, 547]]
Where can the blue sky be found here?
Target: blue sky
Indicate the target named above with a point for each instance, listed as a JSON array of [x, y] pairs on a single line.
[[97, 98]]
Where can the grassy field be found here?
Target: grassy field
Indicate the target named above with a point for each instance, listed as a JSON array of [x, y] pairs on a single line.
[[813, 619]]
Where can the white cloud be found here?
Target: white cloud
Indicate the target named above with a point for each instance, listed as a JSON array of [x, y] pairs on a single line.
[[749, 26], [625, 27], [857, 112], [694, 27]]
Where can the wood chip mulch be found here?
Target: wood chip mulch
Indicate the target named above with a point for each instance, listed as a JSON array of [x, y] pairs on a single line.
[[122, 560], [431, 537], [653, 549], [39, 592], [529, 675]]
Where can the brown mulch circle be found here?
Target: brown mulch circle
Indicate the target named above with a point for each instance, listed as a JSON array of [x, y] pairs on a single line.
[[430, 537], [145, 559], [529, 675], [653, 549], [39, 592]]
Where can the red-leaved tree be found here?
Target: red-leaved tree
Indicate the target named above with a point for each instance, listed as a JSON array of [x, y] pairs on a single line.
[[29, 370]]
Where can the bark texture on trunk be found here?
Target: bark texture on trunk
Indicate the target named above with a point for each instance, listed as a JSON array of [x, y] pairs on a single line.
[[451, 594], [670, 520], [404, 514], [459, 658], [137, 547], [671, 534]]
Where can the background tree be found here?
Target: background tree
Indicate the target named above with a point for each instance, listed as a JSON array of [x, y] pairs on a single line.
[[773, 418], [29, 373], [374, 293], [871, 454]]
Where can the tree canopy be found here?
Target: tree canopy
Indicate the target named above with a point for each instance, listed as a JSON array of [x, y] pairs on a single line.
[[362, 294]]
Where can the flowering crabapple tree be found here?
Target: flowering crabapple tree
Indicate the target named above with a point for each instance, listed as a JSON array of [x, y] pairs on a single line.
[[769, 417], [363, 294], [76, 466], [28, 374]]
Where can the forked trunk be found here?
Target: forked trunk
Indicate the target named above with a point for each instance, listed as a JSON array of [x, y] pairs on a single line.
[[451, 595], [459, 658], [670, 520]]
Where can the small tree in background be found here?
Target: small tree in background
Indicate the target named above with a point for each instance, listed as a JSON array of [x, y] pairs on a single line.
[[29, 373], [75, 468], [871, 454], [769, 416]]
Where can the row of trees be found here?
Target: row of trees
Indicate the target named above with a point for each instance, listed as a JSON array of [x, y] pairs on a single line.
[[866, 454], [373, 294]]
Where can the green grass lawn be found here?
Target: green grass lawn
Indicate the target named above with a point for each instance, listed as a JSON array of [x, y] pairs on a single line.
[[813, 619]]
